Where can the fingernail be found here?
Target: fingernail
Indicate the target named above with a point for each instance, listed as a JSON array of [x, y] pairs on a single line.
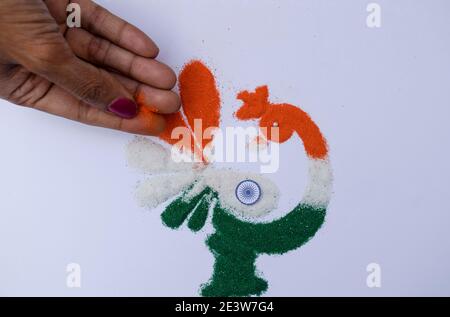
[[124, 108]]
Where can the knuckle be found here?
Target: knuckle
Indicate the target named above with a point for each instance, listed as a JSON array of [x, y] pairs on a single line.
[[47, 57], [88, 115], [90, 91], [82, 113], [97, 17], [132, 66], [92, 116], [97, 49], [166, 78], [167, 101]]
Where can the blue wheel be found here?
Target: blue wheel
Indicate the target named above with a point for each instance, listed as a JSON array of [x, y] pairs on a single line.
[[248, 192]]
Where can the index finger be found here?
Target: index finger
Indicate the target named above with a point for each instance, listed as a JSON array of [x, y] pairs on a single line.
[[100, 21]]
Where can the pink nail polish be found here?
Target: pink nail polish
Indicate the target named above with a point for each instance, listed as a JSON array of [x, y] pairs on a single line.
[[124, 108]]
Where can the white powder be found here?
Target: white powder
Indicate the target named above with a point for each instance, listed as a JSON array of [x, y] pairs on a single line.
[[198, 187], [154, 191], [148, 156], [225, 181], [171, 178], [318, 190]]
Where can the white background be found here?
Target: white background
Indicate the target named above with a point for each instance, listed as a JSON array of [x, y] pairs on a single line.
[[381, 97]]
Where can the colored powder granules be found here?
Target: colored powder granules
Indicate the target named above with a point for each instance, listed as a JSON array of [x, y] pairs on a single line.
[[287, 118], [158, 189], [167, 179], [237, 243], [200, 97], [201, 101], [238, 239]]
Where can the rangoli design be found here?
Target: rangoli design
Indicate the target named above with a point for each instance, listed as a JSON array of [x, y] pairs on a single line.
[[235, 199]]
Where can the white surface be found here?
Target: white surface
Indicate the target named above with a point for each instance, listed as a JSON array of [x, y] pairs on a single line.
[[380, 96]]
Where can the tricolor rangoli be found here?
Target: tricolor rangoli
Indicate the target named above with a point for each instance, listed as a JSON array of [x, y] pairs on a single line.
[[235, 199]]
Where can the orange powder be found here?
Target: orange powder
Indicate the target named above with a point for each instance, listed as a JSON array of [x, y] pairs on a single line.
[[288, 118], [140, 99], [200, 100], [199, 97]]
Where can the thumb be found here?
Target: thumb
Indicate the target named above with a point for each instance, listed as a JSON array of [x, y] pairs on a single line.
[[91, 85]]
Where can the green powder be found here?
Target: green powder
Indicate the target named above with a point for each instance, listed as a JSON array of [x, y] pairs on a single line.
[[236, 244], [176, 212], [277, 237], [198, 218]]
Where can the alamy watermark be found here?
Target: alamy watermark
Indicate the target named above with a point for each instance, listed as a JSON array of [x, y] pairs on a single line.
[[232, 144], [73, 277], [373, 280], [74, 15], [373, 20]]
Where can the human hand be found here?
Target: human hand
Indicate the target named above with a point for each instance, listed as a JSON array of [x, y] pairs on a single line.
[[89, 74]]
